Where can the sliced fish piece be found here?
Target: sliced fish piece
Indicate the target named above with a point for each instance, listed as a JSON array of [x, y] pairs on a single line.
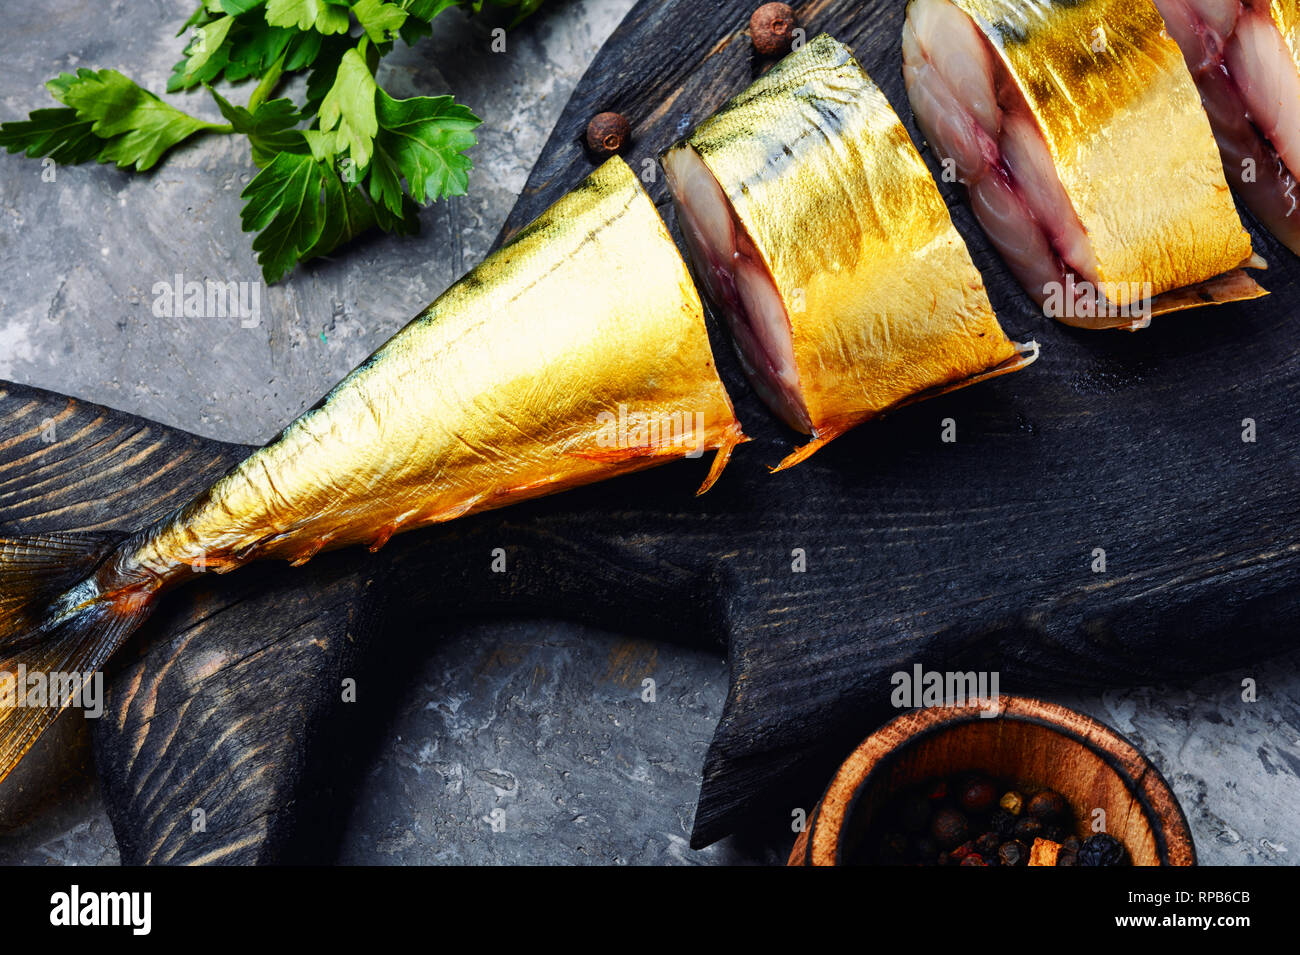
[[1093, 170], [1245, 58], [816, 229]]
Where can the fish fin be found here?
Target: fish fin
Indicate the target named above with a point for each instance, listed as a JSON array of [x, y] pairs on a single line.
[[1024, 353], [1234, 286], [455, 511], [671, 451], [733, 437], [314, 547], [53, 620], [383, 537], [799, 455]]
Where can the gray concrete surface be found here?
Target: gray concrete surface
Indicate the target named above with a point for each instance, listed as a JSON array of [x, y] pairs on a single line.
[[541, 721]]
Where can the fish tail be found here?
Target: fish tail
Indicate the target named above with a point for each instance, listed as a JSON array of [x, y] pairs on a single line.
[[58, 626]]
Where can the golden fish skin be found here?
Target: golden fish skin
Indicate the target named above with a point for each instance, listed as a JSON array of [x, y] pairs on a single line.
[[576, 352], [1286, 17], [879, 302], [1125, 127], [528, 376], [1122, 122]]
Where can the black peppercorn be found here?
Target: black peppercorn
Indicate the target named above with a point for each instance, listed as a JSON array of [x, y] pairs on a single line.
[[1027, 829], [987, 844], [1003, 823], [947, 821], [1047, 805], [607, 134], [1102, 849], [1013, 853], [772, 28], [977, 794], [1053, 832], [949, 828]]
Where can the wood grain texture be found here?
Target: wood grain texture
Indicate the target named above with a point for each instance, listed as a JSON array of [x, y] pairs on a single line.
[[1032, 742], [201, 709], [968, 555], [977, 552]]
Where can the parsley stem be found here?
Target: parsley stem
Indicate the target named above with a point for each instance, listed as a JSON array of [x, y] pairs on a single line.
[[267, 84]]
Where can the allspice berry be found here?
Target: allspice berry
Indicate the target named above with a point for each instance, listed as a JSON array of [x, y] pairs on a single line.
[[949, 828], [1027, 829], [1047, 805], [977, 794], [772, 28], [607, 134]]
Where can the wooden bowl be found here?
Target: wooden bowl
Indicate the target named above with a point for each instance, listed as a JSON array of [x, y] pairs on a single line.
[[1031, 741]]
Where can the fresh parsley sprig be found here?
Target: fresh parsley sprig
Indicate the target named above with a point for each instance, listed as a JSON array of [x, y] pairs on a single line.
[[349, 158]]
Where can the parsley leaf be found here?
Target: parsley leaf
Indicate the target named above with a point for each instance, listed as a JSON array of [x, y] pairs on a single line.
[[349, 158], [56, 133], [349, 107], [380, 20], [199, 17], [348, 214], [428, 9], [421, 13], [138, 126], [186, 75], [421, 140], [239, 47], [269, 128], [253, 50], [283, 206], [324, 69], [207, 41], [301, 209], [323, 16], [303, 50]]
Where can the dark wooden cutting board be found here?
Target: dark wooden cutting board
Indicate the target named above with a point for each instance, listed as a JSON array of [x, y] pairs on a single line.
[[973, 554]]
